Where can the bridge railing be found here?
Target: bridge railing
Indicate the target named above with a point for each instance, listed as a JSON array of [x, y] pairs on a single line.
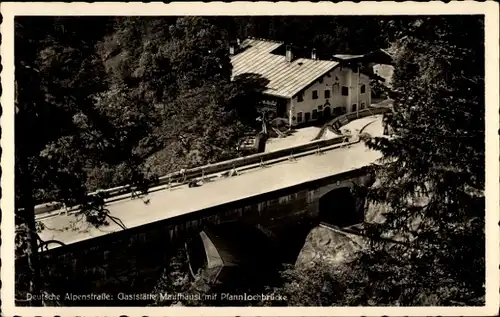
[[184, 176], [253, 159], [346, 118]]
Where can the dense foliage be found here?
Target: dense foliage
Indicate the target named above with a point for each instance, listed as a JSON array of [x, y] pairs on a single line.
[[55, 79], [329, 35], [434, 167]]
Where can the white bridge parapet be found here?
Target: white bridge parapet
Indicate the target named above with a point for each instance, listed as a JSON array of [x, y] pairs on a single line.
[[182, 177]]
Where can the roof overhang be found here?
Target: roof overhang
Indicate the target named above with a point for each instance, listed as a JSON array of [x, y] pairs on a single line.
[[379, 56], [270, 92], [348, 58]]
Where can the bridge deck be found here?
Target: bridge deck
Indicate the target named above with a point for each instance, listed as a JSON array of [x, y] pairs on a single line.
[[169, 203]]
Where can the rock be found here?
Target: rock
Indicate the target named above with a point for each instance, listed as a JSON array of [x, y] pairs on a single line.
[[328, 245], [334, 246]]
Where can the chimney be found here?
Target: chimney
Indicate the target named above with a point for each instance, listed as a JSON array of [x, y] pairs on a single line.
[[313, 54], [288, 55]]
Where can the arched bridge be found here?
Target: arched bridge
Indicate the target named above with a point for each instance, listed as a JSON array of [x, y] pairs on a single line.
[[312, 182]]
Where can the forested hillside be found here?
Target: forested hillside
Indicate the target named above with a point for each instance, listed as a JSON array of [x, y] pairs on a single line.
[[123, 95], [114, 98]]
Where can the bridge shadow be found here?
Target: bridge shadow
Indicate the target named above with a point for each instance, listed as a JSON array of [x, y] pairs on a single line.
[[233, 256], [341, 208], [289, 238], [143, 265]]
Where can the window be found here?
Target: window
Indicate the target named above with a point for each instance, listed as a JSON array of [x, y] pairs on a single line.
[[315, 94], [335, 89], [320, 80], [307, 116], [299, 116], [354, 107], [327, 93], [362, 106], [315, 114], [300, 97], [345, 91], [320, 107], [363, 88]]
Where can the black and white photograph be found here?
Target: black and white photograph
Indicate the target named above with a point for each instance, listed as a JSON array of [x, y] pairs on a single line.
[[296, 160]]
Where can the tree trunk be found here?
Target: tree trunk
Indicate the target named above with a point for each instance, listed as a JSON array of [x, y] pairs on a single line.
[[32, 254], [28, 218]]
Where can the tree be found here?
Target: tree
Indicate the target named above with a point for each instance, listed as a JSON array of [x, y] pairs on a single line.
[[38, 109], [433, 169], [58, 79]]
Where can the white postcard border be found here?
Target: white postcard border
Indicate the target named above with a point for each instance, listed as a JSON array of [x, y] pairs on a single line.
[[491, 11]]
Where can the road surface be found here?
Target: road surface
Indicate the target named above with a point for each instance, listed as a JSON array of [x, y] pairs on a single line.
[[305, 135], [366, 124], [298, 137]]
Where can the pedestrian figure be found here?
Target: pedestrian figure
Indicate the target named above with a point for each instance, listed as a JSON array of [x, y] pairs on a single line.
[[194, 183]]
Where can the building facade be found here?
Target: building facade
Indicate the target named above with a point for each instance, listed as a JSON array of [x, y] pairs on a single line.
[[302, 90], [340, 91]]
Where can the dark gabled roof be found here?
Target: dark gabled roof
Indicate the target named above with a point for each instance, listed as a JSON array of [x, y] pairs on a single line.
[[284, 79]]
